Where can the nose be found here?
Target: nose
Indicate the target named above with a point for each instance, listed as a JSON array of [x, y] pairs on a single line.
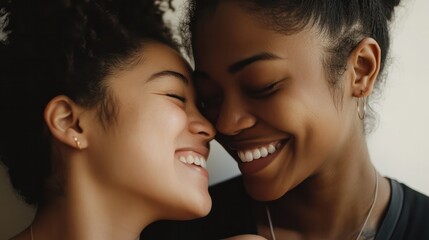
[[201, 126], [234, 118]]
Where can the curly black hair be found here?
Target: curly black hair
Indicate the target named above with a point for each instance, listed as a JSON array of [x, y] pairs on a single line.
[[344, 22], [56, 47]]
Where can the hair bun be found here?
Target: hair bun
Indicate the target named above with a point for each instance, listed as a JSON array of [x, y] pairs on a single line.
[[389, 6]]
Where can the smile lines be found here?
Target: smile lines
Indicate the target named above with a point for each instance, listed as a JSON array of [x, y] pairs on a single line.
[[258, 153]]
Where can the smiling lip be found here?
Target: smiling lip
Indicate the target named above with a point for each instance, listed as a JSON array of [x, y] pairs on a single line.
[[253, 166], [198, 149], [199, 169], [194, 157]]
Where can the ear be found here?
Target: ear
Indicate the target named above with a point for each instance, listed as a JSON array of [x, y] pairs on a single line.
[[62, 118], [365, 64]]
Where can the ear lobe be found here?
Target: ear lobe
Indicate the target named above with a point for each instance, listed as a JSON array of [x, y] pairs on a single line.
[[365, 62], [62, 118]]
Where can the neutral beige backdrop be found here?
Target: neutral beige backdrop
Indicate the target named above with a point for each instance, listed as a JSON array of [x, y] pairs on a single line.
[[398, 147]]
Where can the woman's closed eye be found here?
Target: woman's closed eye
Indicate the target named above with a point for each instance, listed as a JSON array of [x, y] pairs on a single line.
[[265, 91], [176, 96]]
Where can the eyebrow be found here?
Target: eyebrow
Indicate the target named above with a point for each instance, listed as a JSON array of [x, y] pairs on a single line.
[[170, 73], [240, 65]]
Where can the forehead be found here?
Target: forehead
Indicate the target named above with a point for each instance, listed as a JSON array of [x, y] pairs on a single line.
[[225, 23], [230, 33], [152, 57], [152, 61], [162, 56]]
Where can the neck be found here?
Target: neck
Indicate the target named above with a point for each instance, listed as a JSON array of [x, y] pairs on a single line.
[[333, 203], [90, 210]]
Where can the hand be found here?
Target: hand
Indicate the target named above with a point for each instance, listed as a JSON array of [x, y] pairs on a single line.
[[246, 237]]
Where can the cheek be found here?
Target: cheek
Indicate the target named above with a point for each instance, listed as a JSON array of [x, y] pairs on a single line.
[[142, 143], [309, 115], [159, 131], [283, 111], [161, 122], [302, 104], [176, 118]]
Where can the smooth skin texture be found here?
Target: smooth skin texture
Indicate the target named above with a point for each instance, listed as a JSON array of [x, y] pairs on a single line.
[[127, 174], [259, 86]]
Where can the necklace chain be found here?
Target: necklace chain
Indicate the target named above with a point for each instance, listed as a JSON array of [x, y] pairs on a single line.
[[273, 236], [372, 205]]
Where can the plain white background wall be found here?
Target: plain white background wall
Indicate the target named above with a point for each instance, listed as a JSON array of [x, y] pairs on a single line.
[[398, 147]]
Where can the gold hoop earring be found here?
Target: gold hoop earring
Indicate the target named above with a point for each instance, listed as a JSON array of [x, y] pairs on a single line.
[[361, 106], [77, 142]]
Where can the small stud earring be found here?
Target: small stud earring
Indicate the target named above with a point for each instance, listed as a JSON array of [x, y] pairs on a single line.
[[77, 142]]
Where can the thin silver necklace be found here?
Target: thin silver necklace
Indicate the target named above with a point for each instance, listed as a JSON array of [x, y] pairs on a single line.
[[374, 200], [273, 236]]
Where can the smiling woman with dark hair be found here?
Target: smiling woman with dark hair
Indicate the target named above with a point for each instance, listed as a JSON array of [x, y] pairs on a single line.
[[99, 127], [288, 85]]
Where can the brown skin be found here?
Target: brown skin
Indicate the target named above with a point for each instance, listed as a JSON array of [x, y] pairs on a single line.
[[320, 183], [120, 179]]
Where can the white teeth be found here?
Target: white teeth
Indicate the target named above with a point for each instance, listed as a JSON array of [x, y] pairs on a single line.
[[190, 159], [203, 163], [199, 161], [271, 149], [264, 152], [241, 155], [248, 155], [257, 153]]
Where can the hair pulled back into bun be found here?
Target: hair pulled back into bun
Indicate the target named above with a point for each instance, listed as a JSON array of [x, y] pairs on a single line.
[[344, 22], [389, 6], [68, 47]]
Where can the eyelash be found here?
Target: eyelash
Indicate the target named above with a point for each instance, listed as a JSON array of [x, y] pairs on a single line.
[[180, 98], [265, 91]]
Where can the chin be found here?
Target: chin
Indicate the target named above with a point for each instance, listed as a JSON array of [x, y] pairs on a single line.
[[201, 208], [193, 207]]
